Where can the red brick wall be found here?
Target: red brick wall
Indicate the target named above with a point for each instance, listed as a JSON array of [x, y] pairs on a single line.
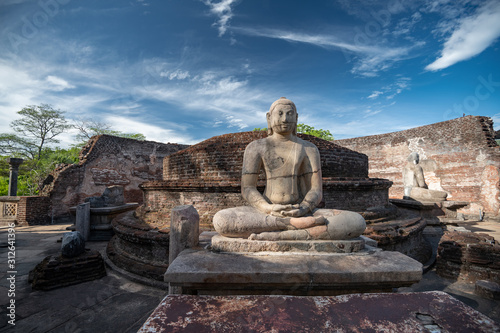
[[105, 161], [33, 210], [220, 159], [210, 197], [459, 156]]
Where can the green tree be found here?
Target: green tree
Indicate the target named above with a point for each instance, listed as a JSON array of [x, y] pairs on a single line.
[[320, 133], [306, 129], [38, 126], [33, 172]]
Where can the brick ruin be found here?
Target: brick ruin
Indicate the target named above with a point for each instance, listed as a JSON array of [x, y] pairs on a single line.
[[459, 156], [104, 161], [208, 176]]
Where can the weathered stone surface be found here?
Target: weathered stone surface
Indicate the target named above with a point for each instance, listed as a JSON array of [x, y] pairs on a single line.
[[184, 230], [205, 272], [111, 197], [410, 312], [465, 154], [138, 247], [83, 220], [402, 235], [468, 256], [226, 244], [73, 244], [106, 161], [55, 272], [488, 289]]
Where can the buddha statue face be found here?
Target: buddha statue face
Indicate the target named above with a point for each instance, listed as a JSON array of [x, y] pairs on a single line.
[[414, 158], [282, 117]]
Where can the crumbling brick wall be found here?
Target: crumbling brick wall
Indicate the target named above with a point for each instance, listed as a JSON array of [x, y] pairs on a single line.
[[459, 156], [107, 160], [33, 210]]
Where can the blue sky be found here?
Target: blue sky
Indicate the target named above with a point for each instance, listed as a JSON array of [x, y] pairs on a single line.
[[184, 71]]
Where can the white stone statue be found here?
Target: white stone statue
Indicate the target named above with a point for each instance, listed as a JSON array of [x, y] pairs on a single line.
[[414, 182], [287, 209]]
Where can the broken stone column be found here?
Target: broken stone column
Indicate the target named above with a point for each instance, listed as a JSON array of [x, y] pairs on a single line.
[[14, 164], [184, 230], [83, 220]]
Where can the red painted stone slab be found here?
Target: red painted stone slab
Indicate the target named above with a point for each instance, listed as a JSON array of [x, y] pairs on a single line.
[[410, 312]]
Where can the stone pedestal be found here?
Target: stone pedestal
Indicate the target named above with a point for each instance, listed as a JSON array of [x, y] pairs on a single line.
[[226, 244], [100, 220], [410, 312], [291, 273]]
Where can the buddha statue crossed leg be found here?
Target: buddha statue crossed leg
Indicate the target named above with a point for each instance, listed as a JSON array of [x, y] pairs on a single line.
[[287, 208]]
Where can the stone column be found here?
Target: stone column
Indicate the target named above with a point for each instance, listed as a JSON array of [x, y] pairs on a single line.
[[83, 220], [14, 164], [184, 230], [184, 234]]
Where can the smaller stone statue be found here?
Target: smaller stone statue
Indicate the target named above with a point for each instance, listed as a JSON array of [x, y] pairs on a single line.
[[414, 182]]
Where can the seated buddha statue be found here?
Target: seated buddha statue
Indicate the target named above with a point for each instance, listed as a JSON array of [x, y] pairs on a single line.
[[414, 182], [287, 210]]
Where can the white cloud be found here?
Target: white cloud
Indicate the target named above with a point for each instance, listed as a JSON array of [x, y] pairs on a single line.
[[152, 132], [375, 94], [223, 11], [58, 84], [472, 36]]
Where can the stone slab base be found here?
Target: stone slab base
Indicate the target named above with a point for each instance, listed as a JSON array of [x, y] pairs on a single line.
[[290, 273], [410, 312], [227, 244], [58, 271]]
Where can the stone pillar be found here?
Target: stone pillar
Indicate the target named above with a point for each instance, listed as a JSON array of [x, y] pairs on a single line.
[[14, 164], [184, 230], [83, 220]]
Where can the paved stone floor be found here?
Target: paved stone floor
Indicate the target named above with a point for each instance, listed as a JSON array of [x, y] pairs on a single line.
[[115, 304]]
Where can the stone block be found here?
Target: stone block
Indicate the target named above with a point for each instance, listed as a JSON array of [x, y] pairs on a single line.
[[227, 244], [409, 312], [184, 230], [73, 244], [488, 289], [291, 273]]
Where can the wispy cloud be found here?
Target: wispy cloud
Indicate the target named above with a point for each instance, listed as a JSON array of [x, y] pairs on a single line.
[[471, 37], [371, 59], [57, 83], [223, 11], [375, 94], [392, 90]]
